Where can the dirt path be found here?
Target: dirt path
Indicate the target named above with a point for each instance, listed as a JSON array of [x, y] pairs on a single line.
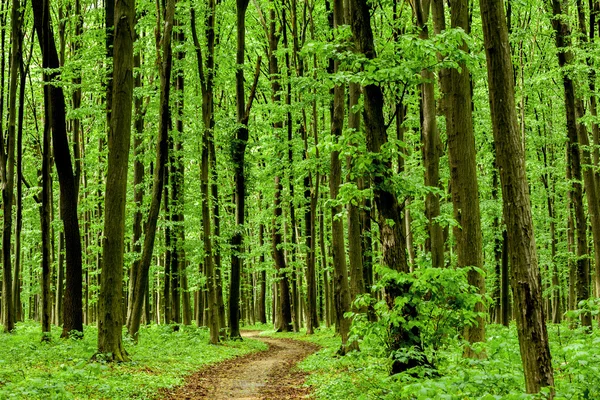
[[268, 374]]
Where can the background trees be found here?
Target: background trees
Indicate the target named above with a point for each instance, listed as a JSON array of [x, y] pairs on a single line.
[[413, 169]]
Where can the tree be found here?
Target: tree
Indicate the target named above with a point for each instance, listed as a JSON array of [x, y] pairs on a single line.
[[463, 173], [7, 170], [577, 134], [341, 295], [110, 322], [162, 154], [238, 150], [525, 274], [72, 306], [389, 216], [207, 86], [432, 146]]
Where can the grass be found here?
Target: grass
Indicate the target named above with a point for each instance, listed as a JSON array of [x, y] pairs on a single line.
[[61, 369]]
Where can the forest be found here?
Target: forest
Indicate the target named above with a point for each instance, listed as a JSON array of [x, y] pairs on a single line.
[[409, 191]]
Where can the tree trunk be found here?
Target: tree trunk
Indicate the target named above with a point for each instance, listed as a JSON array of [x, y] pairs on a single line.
[[73, 307], [284, 309], [46, 306], [262, 294], [208, 119], [238, 150], [431, 147], [463, 175], [138, 183], [162, 150], [575, 135], [16, 288], [7, 171], [341, 289], [110, 341], [392, 237], [525, 274]]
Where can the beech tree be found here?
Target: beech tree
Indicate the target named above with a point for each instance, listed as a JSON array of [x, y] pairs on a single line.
[[525, 274], [111, 320]]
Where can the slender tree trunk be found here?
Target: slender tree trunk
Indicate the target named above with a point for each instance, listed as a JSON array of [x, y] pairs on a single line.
[[208, 119], [238, 150], [432, 146], [284, 309], [110, 323], [295, 303], [531, 324], [392, 237], [463, 175], [138, 183], [262, 294], [16, 288], [7, 170], [577, 135], [46, 305], [341, 295], [73, 307], [166, 64], [505, 295]]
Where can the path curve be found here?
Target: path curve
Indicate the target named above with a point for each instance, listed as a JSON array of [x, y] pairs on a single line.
[[268, 374]]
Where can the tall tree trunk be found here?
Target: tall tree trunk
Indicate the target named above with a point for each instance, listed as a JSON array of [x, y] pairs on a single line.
[[110, 321], [505, 284], [431, 147], [46, 305], [16, 288], [291, 175], [73, 307], [7, 170], [525, 274], [576, 135], [262, 294], [341, 295], [284, 308], [463, 175], [162, 150], [207, 84], [392, 237], [138, 183], [238, 150]]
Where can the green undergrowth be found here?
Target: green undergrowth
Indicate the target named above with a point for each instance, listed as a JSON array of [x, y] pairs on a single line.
[[364, 374], [61, 369]]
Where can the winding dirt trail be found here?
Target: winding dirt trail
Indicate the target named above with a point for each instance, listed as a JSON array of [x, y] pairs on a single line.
[[268, 374]]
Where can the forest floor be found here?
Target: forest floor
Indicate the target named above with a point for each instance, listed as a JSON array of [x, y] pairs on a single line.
[[270, 374]]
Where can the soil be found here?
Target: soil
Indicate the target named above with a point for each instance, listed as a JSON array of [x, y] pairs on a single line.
[[269, 374]]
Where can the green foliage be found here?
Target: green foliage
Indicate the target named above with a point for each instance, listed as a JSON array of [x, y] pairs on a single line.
[[61, 369], [444, 303], [365, 374]]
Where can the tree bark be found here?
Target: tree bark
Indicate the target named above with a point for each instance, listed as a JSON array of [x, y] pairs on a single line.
[[431, 147], [525, 274], [238, 150], [138, 183], [577, 135], [46, 310], [341, 289], [206, 80], [463, 175], [162, 150], [7, 170], [110, 341], [393, 243], [72, 306]]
